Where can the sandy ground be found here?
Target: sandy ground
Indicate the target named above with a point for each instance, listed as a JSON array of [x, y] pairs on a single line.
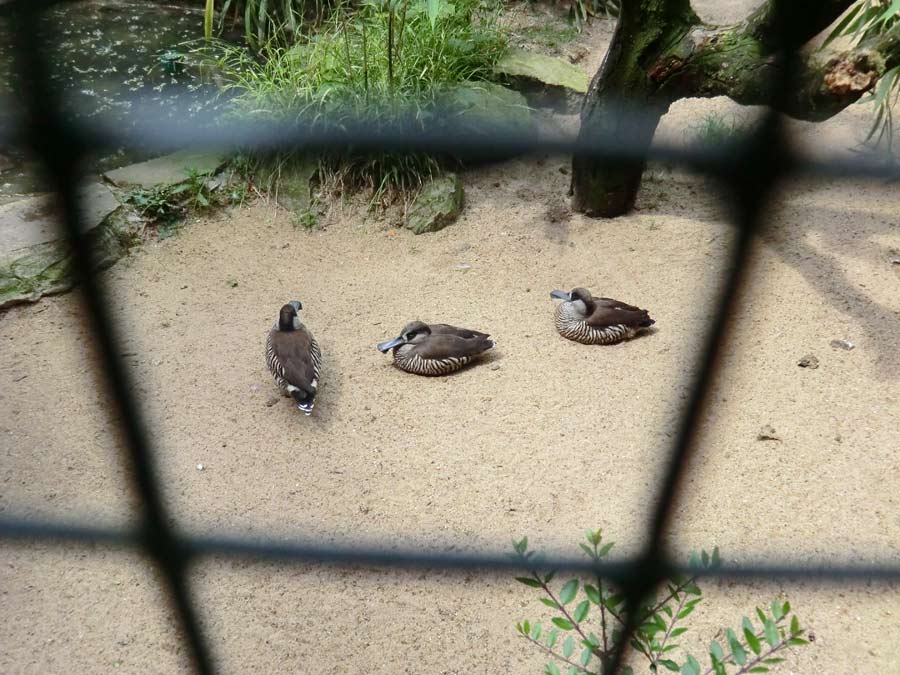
[[546, 438]]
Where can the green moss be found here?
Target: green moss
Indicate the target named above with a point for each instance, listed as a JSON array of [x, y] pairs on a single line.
[[47, 268], [438, 205]]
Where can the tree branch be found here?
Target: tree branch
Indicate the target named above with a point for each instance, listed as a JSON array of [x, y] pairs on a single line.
[[735, 62], [804, 18], [659, 605], [750, 664], [562, 608], [602, 613], [555, 655], [760, 636], [665, 639]]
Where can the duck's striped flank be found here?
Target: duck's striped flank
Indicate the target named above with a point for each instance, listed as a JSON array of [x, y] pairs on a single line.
[[573, 327], [406, 359]]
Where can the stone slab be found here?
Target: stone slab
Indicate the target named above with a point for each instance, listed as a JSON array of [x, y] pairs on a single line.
[[32, 221], [544, 69], [34, 258], [167, 170]]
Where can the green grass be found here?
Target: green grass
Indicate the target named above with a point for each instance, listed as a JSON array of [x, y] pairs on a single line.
[[385, 62], [550, 35], [715, 129], [262, 19]]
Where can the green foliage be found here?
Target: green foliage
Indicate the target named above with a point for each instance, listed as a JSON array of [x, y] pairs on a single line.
[[714, 130], [387, 62], [582, 11], [306, 219], [165, 206], [548, 34], [263, 20], [866, 21], [589, 646]]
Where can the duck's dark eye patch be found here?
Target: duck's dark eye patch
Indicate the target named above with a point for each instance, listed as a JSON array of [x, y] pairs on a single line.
[[410, 335]]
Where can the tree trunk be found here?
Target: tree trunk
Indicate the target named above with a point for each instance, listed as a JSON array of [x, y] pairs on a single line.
[[624, 103], [661, 52]]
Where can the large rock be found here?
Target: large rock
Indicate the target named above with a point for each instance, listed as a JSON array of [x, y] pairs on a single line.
[[292, 183], [34, 261], [545, 80], [485, 107], [168, 170], [439, 203]]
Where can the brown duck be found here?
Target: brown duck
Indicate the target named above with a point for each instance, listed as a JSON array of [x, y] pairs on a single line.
[[293, 357], [435, 349], [597, 321]]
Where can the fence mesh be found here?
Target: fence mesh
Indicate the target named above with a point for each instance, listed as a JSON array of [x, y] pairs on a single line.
[[749, 172]]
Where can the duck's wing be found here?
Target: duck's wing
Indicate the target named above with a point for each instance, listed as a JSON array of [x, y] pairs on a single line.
[[618, 304], [609, 312], [297, 358], [465, 333], [445, 346]]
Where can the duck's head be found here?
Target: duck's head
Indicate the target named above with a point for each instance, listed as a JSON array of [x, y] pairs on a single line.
[[413, 333], [287, 317], [579, 293]]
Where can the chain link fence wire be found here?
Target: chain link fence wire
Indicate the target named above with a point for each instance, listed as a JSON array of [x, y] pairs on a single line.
[[749, 170]]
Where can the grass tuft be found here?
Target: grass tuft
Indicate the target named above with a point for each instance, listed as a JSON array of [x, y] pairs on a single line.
[[387, 62]]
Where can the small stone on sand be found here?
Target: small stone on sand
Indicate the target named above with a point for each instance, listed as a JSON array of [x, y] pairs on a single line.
[[808, 361]]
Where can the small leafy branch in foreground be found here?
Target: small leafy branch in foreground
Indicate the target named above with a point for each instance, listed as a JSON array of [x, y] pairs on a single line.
[[573, 644]]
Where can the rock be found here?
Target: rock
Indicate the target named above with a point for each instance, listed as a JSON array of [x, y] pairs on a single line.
[[292, 184], [544, 69], [842, 344], [167, 170], [767, 433], [34, 258], [895, 260], [5, 163], [272, 400], [486, 108], [808, 361], [438, 205], [545, 80]]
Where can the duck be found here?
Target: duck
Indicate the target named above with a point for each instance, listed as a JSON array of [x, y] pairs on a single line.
[[435, 349], [597, 321], [293, 357]]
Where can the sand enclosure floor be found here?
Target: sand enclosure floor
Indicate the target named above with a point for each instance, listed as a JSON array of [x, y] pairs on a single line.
[[545, 438]]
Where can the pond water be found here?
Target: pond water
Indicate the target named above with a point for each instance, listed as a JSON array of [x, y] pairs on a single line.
[[105, 55]]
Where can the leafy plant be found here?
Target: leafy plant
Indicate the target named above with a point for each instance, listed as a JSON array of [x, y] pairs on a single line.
[[868, 20], [306, 219], [389, 61], [582, 11], [570, 639], [166, 205], [263, 19], [713, 130]]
